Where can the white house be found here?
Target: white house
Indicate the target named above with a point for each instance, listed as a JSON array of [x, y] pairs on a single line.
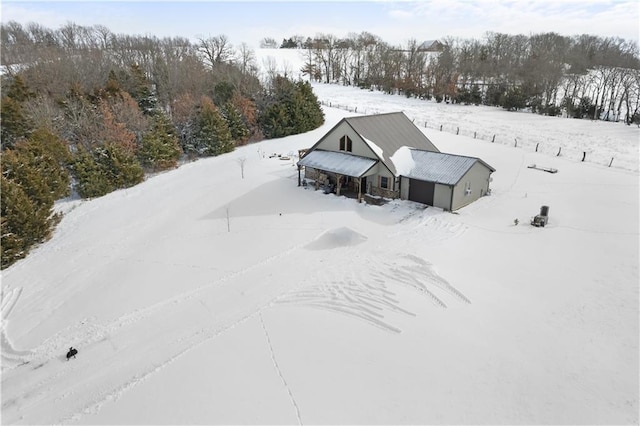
[[387, 156]]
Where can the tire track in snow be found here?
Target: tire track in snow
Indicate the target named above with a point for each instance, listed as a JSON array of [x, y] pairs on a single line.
[[86, 333], [279, 371], [88, 398], [11, 357], [195, 340], [365, 292]]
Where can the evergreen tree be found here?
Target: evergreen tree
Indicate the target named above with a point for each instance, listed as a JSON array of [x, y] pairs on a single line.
[[237, 126], [212, 136], [105, 169], [92, 179], [290, 108], [309, 113], [513, 99], [122, 165], [34, 175], [223, 92], [39, 166], [15, 123], [160, 148], [22, 223]]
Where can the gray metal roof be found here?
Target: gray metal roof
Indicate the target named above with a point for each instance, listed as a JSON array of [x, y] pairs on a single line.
[[390, 132], [337, 162], [446, 169]]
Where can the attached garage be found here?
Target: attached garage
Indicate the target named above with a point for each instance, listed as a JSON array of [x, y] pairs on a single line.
[[446, 181], [421, 191]]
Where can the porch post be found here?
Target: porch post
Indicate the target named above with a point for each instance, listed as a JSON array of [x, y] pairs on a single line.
[[359, 190], [338, 179], [299, 181]]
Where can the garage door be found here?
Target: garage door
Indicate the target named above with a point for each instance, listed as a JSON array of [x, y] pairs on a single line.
[[421, 191]]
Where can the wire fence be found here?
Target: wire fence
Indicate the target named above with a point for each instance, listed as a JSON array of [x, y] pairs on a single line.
[[533, 143]]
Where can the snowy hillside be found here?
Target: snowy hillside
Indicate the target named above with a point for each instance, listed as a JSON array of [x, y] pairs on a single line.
[[199, 297]]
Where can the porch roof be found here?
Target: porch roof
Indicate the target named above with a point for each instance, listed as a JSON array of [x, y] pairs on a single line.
[[338, 162]]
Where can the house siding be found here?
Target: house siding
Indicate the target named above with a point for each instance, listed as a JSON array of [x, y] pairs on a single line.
[[404, 188], [331, 142], [442, 197], [477, 179], [379, 138]]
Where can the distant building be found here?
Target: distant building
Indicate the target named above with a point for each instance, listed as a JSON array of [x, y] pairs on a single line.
[[431, 46], [385, 156]]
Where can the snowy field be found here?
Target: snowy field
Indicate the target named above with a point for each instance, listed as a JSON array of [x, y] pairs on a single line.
[[198, 297]]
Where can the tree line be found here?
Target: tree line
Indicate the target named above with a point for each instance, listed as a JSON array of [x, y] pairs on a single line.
[[582, 76], [88, 111]]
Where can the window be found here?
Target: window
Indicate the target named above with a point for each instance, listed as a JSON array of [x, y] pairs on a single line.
[[345, 143], [384, 182]]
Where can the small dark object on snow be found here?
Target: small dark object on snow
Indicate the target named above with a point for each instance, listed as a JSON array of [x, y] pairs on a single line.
[[72, 353], [544, 169], [542, 218]]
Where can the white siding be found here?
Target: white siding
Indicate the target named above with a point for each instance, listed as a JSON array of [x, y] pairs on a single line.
[[404, 188], [477, 180], [331, 141], [442, 197]]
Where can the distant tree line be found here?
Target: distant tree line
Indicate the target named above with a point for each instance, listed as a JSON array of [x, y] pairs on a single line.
[[583, 76], [90, 111]]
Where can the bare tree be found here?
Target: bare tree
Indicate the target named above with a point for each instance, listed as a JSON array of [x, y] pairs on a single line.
[[241, 161], [215, 50], [247, 60]]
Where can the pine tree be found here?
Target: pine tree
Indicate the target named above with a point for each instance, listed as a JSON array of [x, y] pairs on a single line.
[[15, 123], [122, 165], [17, 217], [212, 135], [23, 222], [237, 126], [105, 169], [160, 149], [39, 165], [291, 108], [92, 179]]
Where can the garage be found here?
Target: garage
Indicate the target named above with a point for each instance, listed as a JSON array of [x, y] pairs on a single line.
[[445, 181], [421, 191]]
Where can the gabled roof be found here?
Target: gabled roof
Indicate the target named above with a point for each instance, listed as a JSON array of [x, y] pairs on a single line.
[[338, 162], [430, 46], [446, 169], [386, 133]]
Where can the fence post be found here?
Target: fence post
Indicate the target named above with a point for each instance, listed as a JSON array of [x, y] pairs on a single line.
[[559, 150], [494, 139], [584, 155], [537, 146], [611, 162], [458, 131], [516, 144], [441, 127]]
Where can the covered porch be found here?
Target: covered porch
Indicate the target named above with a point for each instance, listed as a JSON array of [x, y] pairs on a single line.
[[337, 172]]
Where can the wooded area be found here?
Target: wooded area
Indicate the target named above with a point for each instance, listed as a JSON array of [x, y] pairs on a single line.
[[90, 111], [583, 76]]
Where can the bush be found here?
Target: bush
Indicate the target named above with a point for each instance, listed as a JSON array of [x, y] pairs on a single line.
[[289, 109], [34, 176], [160, 149], [106, 169]]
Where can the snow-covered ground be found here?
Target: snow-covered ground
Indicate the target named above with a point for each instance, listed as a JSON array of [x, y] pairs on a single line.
[[199, 297]]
